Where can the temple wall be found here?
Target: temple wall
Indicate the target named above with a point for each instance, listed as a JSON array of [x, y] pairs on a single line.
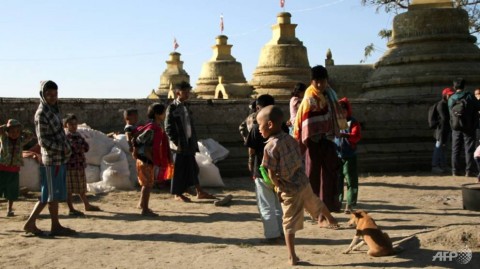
[[395, 133]]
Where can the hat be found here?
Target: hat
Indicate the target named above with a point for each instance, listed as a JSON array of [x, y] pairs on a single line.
[[447, 91], [183, 86], [13, 123]]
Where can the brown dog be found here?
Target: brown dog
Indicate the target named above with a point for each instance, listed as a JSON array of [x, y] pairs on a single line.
[[378, 242]]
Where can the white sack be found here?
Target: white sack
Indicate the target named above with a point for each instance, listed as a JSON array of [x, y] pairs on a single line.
[[209, 175], [213, 149], [121, 142], [30, 174], [92, 173], [115, 171], [100, 144]]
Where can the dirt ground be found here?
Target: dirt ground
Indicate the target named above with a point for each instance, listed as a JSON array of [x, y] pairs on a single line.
[[422, 210]]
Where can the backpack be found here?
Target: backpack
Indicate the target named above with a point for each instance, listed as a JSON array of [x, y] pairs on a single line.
[[460, 116], [433, 117]]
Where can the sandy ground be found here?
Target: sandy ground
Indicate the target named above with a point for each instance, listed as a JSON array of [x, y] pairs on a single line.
[[200, 235]]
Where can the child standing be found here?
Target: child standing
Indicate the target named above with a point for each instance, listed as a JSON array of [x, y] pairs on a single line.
[[267, 201], [282, 159], [153, 154], [76, 179], [56, 151], [12, 140], [347, 151]]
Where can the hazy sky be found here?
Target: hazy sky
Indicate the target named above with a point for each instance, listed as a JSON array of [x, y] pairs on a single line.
[[118, 48]]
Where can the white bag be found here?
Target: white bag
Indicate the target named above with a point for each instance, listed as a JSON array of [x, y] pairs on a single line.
[[92, 173], [99, 143], [115, 171], [209, 175], [213, 149], [30, 174], [121, 142]]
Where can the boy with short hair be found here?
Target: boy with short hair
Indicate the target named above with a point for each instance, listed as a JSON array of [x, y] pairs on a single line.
[[267, 201], [12, 140], [282, 159], [76, 179]]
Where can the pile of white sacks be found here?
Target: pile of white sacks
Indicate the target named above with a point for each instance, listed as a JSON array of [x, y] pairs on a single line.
[[110, 165]]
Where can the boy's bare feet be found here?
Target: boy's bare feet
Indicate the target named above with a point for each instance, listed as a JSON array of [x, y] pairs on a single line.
[[33, 230], [294, 260], [332, 224]]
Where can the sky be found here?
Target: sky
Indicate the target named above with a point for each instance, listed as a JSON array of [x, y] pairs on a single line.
[[118, 48]]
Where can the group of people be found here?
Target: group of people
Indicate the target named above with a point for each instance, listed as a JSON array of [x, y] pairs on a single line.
[[303, 157], [456, 118], [61, 154], [307, 163]]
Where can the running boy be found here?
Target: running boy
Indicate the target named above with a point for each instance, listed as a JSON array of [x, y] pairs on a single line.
[[12, 140], [76, 179], [283, 160]]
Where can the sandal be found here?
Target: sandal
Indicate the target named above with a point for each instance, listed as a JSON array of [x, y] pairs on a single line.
[[76, 213], [64, 231], [149, 213], [205, 195], [224, 201], [93, 208]]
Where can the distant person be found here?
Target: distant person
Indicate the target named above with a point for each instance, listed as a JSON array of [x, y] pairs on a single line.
[[76, 178], [477, 96], [319, 119], [347, 150], [56, 151], [181, 131], [463, 107], [442, 132], [246, 125], [267, 201], [297, 95], [283, 160], [130, 116], [12, 140]]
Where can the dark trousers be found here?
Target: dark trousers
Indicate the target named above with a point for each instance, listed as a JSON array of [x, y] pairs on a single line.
[[465, 141], [322, 167]]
